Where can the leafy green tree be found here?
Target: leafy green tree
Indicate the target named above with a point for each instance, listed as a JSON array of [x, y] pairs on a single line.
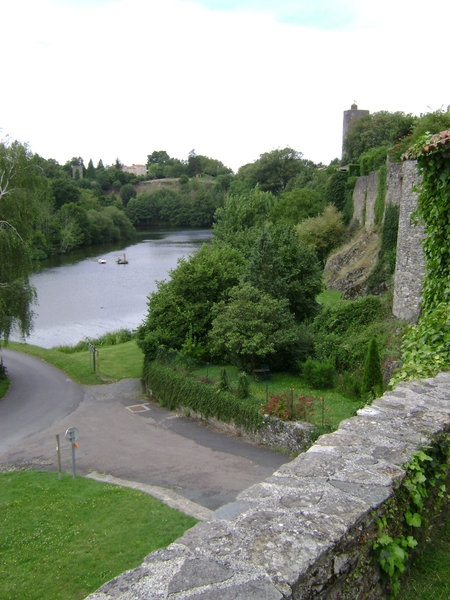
[[20, 179], [297, 205], [158, 157], [273, 170], [127, 192], [90, 171], [336, 189], [65, 191], [284, 268], [194, 165], [74, 227], [372, 381], [239, 221], [378, 129], [181, 307], [323, 233], [251, 327]]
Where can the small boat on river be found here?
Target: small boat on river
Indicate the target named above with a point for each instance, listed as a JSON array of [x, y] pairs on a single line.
[[101, 261], [122, 261]]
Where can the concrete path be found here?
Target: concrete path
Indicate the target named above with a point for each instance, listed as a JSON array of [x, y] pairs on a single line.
[[184, 462]]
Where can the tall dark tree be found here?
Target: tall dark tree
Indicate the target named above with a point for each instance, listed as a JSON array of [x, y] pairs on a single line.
[[90, 171], [194, 166]]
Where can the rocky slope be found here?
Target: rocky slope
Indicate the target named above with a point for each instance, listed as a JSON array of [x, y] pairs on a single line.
[[348, 269]]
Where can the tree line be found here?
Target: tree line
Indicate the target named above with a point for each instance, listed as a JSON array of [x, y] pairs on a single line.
[[250, 295]]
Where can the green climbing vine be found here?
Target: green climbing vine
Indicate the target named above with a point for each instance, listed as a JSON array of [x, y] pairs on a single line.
[[426, 347], [411, 511]]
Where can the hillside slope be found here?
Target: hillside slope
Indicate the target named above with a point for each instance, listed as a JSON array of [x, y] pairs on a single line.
[[348, 268]]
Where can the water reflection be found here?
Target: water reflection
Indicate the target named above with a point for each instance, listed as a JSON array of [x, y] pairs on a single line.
[[78, 297]]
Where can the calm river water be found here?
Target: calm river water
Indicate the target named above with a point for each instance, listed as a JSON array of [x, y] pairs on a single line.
[[78, 297]]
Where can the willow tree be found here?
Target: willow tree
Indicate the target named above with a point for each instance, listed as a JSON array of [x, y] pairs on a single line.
[[19, 179]]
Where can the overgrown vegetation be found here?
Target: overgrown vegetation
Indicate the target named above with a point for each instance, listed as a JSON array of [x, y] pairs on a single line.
[[426, 347], [111, 338], [411, 512]]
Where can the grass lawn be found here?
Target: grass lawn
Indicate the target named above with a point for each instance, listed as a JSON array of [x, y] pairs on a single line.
[[116, 362], [63, 539]]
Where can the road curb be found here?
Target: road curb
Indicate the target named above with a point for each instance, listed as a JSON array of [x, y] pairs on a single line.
[[169, 497]]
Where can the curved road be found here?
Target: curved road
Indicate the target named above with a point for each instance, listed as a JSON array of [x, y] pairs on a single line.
[[39, 395], [152, 447]]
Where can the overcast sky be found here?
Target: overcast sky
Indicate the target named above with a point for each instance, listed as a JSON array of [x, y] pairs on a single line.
[[229, 78]]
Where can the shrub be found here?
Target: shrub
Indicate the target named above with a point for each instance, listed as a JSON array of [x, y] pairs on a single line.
[[372, 381], [323, 233], [287, 407], [319, 375], [171, 388], [223, 385], [242, 386], [341, 317], [350, 384]]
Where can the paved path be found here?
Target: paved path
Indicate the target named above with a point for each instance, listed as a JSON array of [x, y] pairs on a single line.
[[182, 460]]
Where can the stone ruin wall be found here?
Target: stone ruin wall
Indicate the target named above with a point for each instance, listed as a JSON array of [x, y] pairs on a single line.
[[307, 531], [410, 267]]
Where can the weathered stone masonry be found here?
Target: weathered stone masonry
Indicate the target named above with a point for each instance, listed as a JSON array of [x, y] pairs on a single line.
[[303, 532], [410, 267]]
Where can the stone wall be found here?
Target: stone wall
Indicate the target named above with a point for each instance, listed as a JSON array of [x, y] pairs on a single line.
[[291, 437], [410, 265], [307, 531], [364, 198], [394, 184]]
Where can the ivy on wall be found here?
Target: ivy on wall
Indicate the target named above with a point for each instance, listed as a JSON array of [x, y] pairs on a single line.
[[413, 508], [426, 346]]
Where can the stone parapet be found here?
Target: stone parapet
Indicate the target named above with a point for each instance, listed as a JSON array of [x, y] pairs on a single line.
[[306, 531]]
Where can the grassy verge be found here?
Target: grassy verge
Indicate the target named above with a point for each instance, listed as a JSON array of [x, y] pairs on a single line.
[[116, 362], [63, 539]]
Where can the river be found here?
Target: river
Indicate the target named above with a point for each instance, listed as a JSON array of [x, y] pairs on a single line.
[[79, 298]]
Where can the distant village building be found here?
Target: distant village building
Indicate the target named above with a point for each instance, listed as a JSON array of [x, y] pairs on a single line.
[[135, 169], [349, 115]]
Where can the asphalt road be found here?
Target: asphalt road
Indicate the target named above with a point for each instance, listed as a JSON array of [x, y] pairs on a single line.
[[177, 456]]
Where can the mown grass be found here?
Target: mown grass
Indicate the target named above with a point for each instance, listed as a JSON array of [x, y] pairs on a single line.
[[115, 362], [63, 539]]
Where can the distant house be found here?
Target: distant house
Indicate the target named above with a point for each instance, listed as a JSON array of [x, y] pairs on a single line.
[[135, 169]]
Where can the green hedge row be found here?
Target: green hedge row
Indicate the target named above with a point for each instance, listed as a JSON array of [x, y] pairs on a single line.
[[173, 389]]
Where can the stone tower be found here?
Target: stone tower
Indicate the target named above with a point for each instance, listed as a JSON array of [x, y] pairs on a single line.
[[349, 115]]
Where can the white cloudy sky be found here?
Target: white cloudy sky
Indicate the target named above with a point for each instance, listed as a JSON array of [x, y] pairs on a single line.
[[229, 78]]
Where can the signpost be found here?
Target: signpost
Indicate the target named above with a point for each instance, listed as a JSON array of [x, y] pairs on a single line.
[[93, 357], [71, 436]]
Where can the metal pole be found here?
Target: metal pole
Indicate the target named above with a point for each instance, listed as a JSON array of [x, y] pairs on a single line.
[[74, 466], [58, 456]]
